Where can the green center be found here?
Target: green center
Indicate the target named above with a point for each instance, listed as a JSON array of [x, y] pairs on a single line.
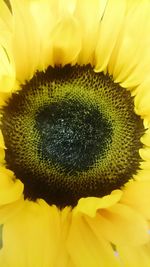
[[71, 133]]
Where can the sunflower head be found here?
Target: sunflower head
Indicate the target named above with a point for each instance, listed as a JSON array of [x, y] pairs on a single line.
[[79, 135], [74, 132]]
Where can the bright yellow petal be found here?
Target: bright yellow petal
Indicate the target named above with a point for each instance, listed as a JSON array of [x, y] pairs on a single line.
[[131, 45], [120, 224], [137, 195], [10, 210], [60, 42], [91, 205], [145, 139], [133, 256], [45, 12], [145, 153], [2, 145], [7, 71], [86, 249], [114, 15], [142, 97], [66, 41], [2, 149], [10, 188], [89, 24], [26, 46], [32, 238]]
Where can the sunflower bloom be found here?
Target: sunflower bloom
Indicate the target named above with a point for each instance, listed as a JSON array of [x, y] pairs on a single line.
[[74, 133]]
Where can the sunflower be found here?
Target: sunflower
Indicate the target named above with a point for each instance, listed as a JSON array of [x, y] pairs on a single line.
[[74, 133]]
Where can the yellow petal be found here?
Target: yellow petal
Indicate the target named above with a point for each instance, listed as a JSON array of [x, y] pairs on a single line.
[[137, 195], [2, 156], [10, 188], [145, 165], [127, 220], [5, 16], [7, 72], [45, 12], [89, 13], [114, 15], [7, 211], [134, 256], [132, 45], [142, 105], [120, 224], [66, 41], [146, 121], [26, 45], [145, 153], [91, 205], [36, 233], [143, 175], [86, 249], [4, 97], [145, 139], [145, 156], [2, 145], [67, 6], [60, 43]]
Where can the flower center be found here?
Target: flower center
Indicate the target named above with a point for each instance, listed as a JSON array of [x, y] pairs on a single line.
[[71, 133]]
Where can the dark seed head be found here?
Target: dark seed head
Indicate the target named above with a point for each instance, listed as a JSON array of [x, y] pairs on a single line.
[[71, 133]]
